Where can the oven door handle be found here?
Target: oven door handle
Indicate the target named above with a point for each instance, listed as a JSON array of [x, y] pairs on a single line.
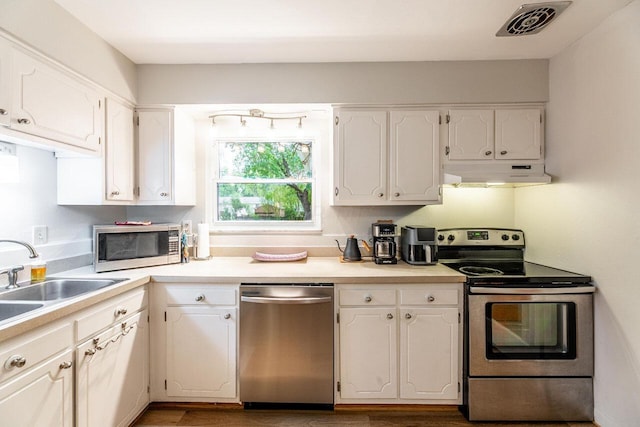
[[532, 291]]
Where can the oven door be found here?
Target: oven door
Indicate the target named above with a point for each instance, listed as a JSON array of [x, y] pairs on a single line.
[[530, 335]]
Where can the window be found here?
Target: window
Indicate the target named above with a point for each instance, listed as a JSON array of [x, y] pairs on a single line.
[[263, 184]]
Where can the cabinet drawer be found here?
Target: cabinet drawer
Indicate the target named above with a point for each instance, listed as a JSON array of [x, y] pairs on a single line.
[[33, 348], [108, 312], [429, 297], [368, 297], [200, 295]]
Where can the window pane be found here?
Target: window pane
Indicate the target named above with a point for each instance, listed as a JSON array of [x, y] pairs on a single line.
[[264, 202], [265, 160]]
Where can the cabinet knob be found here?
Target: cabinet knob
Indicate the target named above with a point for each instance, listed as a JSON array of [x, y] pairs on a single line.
[[24, 121], [503, 152], [66, 365], [200, 298], [3, 112], [380, 194], [396, 194], [15, 361], [120, 311], [487, 153], [367, 298], [164, 194], [227, 316], [115, 193], [431, 298], [389, 316], [407, 316]]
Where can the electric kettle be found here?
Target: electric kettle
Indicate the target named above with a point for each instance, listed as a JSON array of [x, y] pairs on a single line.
[[351, 251]]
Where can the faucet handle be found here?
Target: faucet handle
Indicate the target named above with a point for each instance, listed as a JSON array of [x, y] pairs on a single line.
[[12, 274]]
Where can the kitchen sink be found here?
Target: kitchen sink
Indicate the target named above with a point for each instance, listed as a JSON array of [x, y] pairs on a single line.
[[57, 289], [12, 309]]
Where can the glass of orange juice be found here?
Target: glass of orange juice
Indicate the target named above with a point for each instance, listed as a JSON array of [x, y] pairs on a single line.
[[38, 271]]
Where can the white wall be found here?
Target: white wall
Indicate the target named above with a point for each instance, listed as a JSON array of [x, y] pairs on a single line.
[[588, 221], [47, 27]]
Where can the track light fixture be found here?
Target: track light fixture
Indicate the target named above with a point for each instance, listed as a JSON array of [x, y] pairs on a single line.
[[259, 114]]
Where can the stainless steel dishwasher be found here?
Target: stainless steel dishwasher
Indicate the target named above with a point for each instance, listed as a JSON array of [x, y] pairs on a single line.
[[286, 344]]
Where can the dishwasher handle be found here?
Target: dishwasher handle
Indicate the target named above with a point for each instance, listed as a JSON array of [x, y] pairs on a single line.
[[288, 300]]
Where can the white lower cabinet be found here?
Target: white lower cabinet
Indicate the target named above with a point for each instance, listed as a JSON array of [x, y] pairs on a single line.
[[400, 344], [112, 374], [201, 352], [195, 342]]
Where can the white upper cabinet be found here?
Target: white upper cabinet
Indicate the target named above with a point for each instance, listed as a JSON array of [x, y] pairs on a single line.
[[51, 104], [119, 152], [495, 134], [386, 157], [166, 157], [414, 154]]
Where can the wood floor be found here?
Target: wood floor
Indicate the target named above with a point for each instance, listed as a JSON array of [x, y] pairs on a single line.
[[235, 416]]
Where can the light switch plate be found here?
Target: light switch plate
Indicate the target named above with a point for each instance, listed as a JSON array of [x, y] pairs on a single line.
[[40, 234]]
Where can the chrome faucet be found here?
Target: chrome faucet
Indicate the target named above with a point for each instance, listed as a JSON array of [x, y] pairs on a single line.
[[12, 272]]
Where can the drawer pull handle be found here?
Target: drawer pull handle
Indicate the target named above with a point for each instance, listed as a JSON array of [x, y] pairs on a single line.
[[367, 298], [66, 365], [90, 352], [389, 316], [120, 311], [24, 121], [431, 298], [15, 361], [115, 193], [407, 316], [200, 298], [227, 316]]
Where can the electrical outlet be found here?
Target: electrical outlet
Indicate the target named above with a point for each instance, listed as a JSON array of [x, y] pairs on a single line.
[[40, 234]]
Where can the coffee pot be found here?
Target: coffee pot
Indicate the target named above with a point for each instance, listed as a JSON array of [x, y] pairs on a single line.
[[351, 251]]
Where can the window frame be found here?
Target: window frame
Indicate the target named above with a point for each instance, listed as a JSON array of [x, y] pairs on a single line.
[[260, 226]]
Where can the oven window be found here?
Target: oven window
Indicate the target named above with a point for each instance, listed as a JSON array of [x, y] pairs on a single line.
[[528, 330]]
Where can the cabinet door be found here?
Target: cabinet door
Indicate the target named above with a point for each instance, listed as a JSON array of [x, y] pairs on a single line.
[[360, 158], [368, 358], [112, 375], [119, 178], [414, 167], [429, 353], [201, 352], [518, 134], [5, 86], [53, 105], [41, 397], [155, 156], [471, 134]]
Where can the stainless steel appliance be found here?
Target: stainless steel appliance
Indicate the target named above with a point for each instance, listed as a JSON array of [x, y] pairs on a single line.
[[118, 247], [286, 344], [384, 242], [529, 330], [419, 245]]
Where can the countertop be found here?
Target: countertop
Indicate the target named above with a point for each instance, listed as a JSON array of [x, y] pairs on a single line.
[[233, 270]]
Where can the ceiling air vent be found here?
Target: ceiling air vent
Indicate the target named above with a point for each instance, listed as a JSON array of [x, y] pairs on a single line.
[[532, 18]]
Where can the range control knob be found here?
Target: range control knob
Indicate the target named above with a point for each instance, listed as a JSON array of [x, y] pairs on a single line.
[[451, 237], [515, 237], [505, 237], [440, 237]]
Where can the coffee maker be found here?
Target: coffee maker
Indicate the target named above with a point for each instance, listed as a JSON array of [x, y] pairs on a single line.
[[384, 242]]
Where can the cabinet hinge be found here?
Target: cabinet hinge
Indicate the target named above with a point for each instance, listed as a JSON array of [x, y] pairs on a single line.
[[337, 120], [147, 319], [458, 387], [447, 150], [338, 386], [448, 117], [165, 384], [337, 317], [165, 316], [148, 389], [459, 317], [99, 103], [439, 119], [99, 140], [137, 120]]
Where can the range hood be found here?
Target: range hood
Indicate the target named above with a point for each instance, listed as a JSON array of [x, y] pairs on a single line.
[[495, 175]]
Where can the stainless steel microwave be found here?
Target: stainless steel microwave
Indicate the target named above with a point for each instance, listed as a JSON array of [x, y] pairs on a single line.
[[118, 247]]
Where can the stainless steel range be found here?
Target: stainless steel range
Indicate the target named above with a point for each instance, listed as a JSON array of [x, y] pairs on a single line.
[[529, 330]]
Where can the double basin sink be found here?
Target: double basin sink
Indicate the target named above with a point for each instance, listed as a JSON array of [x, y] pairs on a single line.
[[22, 300]]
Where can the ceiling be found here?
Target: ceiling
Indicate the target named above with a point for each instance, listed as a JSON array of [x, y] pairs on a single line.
[[266, 31]]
